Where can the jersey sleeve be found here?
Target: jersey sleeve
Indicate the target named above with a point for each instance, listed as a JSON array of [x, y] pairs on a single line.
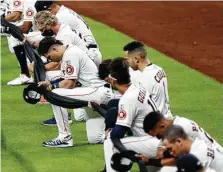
[[68, 17], [16, 5], [190, 127], [70, 68], [29, 11], [126, 113]]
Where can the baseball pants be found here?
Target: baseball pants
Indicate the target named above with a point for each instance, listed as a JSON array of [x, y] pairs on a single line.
[[98, 95]]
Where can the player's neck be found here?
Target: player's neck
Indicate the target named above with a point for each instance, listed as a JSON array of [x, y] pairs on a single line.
[[56, 28], [187, 145], [143, 64], [57, 8], [63, 49], [123, 88]]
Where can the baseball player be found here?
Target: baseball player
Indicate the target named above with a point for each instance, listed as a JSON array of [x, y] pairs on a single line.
[[50, 26], [77, 69], [179, 143], [155, 124], [4, 7], [21, 14], [76, 23], [134, 104], [156, 79]]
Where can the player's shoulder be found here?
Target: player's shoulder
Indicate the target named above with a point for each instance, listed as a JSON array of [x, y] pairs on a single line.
[[151, 70], [16, 5], [65, 29], [181, 121], [205, 153], [199, 148], [72, 51], [131, 93]]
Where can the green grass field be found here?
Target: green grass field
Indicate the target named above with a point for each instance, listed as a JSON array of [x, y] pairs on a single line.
[[192, 95]]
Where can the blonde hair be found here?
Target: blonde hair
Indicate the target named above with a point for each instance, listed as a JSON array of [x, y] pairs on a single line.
[[44, 18]]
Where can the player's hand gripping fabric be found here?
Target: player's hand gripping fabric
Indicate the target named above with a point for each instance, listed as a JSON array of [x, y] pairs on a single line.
[[46, 84]]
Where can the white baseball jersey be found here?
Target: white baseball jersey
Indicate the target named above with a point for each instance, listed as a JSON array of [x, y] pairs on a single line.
[[207, 154], [28, 11], [154, 79], [134, 105], [77, 65], [134, 75], [4, 7], [26, 7], [67, 36], [76, 23], [194, 131]]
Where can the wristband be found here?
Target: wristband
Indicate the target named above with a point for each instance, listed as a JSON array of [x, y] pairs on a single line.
[[49, 88], [55, 85], [154, 162], [33, 45], [167, 154]]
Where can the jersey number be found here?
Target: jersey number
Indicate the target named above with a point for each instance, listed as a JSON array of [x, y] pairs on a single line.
[[210, 153]]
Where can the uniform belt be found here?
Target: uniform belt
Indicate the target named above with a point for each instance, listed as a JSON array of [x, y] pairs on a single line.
[[92, 46]]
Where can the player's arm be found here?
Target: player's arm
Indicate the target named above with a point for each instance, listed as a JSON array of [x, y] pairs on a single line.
[[59, 83], [67, 83], [14, 16], [52, 66], [26, 26], [29, 12], [124, 120], [158, 162], [123, 123]]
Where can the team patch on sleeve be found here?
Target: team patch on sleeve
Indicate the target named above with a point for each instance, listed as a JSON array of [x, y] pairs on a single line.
[[17, 3], [29, 12], [69, 70], [122, 115]]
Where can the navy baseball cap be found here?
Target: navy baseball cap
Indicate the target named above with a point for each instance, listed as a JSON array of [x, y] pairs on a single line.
[[43, 5], [188, 163]]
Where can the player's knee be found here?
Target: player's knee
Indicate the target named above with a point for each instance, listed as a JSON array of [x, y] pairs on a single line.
[[80, 115], [95, 130]]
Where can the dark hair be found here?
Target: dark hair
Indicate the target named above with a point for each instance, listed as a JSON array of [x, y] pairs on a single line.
[[151, 120], [133, 45], [119, 69], [103, 69], [136, 47], [174, 132], [46, 43]]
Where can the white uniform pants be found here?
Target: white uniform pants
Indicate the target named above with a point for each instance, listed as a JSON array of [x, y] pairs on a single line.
[[145, 145], [80, 114], [98, 95]]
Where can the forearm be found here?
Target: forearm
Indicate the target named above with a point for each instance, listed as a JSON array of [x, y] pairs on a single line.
[[68, 84], [161, 162], [52, 66], [25, 27], [13, 17]]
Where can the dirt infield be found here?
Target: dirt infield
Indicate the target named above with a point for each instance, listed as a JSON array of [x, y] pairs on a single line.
[[190, 32]]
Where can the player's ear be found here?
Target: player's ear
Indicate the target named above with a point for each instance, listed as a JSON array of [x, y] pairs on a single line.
[[162, 126], [136, 59], [178, 141]]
